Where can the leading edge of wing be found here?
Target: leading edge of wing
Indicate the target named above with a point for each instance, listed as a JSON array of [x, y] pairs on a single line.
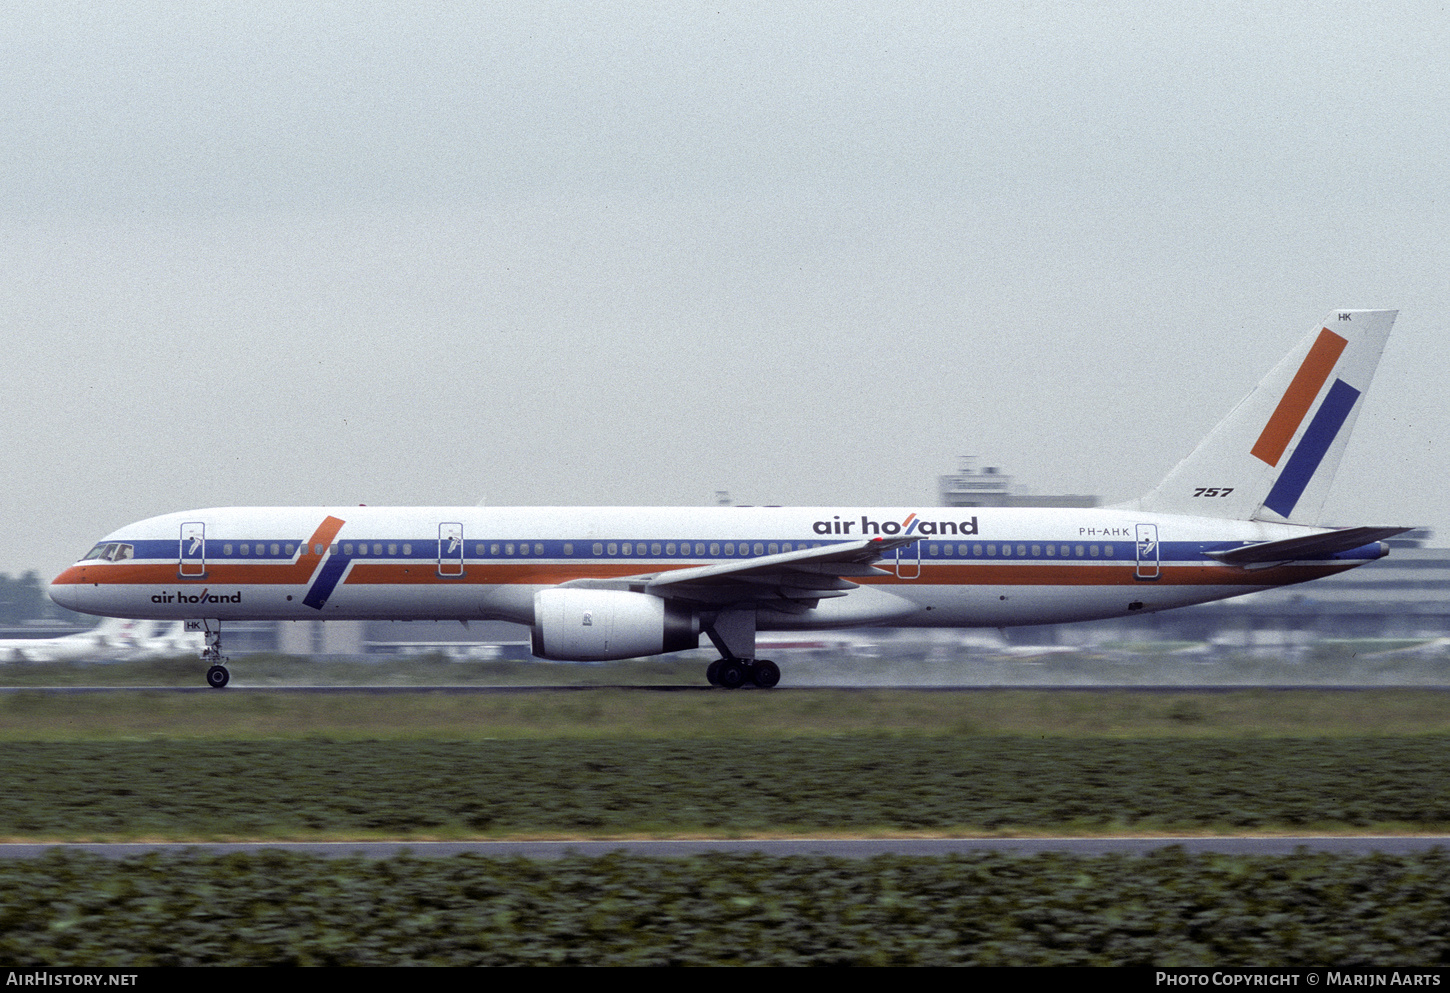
[[807, 574], [862, 552]]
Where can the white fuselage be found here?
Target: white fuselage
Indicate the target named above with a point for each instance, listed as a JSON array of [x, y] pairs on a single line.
[[970, 567]]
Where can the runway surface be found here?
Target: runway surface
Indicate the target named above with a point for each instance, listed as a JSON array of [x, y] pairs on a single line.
[[702, 688], [838, 847]]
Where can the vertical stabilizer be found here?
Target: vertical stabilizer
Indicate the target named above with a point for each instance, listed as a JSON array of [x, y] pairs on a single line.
[[1274, 457]]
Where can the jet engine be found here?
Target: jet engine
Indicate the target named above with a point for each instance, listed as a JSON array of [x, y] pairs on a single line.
[[582, 625]]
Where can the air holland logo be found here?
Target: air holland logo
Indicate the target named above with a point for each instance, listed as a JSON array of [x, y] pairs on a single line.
[[912, 525], [205, 596]]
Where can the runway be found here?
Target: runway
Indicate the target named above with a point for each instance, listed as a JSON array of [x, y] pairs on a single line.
[[467, 689]]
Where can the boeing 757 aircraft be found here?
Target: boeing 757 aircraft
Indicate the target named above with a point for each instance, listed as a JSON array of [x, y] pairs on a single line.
[[1240, 514]]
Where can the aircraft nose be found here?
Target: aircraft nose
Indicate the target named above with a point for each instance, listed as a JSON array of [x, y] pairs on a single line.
[[65, 594]]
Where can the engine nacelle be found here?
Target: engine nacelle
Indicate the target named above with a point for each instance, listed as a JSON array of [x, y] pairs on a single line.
[[598, 625]]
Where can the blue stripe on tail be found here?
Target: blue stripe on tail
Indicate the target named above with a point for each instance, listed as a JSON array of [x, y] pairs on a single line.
[[1312, 448]]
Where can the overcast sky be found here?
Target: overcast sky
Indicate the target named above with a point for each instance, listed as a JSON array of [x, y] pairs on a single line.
[[570, 253]]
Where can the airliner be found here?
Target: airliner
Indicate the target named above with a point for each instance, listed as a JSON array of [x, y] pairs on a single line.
[[113, 638], [1239, 515]]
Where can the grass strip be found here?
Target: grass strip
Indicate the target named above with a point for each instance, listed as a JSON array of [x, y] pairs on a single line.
[[1167, 908], [611, 787], [744, 715]]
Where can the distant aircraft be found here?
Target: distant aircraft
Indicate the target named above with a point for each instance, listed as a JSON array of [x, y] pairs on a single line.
[[172, 639], [113, 638], [1239, 515]]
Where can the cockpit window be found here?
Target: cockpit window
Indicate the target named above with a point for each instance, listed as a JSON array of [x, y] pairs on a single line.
[[110, 552]]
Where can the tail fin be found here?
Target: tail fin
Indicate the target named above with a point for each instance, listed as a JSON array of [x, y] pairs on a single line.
[[1274, 456]]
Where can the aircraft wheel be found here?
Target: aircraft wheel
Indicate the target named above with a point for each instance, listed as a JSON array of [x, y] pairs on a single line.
[[217, 676], [767, 673], [731, 673], [712, 672]]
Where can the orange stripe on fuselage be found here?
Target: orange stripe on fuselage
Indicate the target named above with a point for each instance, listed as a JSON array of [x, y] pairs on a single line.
[[553, 573], [295, 573]]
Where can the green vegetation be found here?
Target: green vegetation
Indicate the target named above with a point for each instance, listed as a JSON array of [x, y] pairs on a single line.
[[761, 785], [1164, 909], [140, 765], [698, 713]]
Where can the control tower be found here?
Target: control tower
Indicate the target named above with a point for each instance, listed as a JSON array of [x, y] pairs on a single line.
[[991, 487]]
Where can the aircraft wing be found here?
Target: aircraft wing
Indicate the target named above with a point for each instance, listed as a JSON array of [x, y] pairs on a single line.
[[790, 581], [1313, 546]]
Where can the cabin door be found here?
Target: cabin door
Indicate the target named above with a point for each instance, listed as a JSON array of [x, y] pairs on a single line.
[[192, 556], [450, 549], [1147, 552], [908, 561]]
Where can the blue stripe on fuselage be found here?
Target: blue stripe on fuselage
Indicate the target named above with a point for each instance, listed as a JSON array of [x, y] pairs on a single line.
[[327, 579]]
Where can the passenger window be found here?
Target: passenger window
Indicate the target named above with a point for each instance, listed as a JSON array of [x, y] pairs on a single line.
[[246, 548], [714, 548], [226, 549], [655, 548], [393, 549], [569, 548], [346, 548], [730, 548], [1051, 551], [670, 548], [289, 548], [524, 548], [407, 548], [1108, 551], [1093, 551], [1036, 550], [991, 549], [1006, 549], [508, 549], [613, 548], [625, 548], [759, 548], [598, 548]]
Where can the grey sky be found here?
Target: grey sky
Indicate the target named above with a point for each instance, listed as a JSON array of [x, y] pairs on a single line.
[[548, 253]]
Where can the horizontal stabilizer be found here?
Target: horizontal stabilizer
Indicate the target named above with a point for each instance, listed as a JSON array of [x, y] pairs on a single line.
[[1313, 546]]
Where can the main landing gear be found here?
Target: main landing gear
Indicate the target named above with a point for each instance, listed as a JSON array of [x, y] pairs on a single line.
[[733, 634], [735, 673], [217, 675]]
